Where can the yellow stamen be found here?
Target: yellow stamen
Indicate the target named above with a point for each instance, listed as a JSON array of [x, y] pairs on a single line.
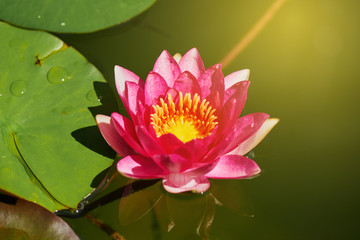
[[187, 120]]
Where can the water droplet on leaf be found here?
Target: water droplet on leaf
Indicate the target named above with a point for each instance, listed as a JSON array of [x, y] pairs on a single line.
[[58, 75], [18, 88]]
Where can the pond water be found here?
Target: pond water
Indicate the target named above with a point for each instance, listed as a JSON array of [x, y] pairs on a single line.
[[304, 70]]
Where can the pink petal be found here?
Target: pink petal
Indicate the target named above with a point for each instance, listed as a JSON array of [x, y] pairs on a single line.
[[203, 186], [219, 143], [155, 88], [212, 84], [234, 89], [167, 67], [148, 142], [214, 153], [200, 169], [235, 77], [244, 128], [234, 166], [169, 142], [233, 106], [256, 138], [133, 95], [123, 75], [225, 114], [192, 62], [215, 99], [187, 83], [232, 136], [240, 94], [172, 162], [137, 166], [173, 92], [177, 183], [143, 114], [202, 146], [127, 131], [112, 137]]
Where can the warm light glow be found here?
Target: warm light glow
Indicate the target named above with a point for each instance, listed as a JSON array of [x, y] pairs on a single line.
[[254, 31], [190, 119]]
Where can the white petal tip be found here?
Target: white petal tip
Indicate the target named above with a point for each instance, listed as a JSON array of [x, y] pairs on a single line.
[[272, 121], [177, 57], [99, 118]]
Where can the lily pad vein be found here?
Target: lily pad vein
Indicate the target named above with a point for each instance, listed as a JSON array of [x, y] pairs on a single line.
[[29, 171]]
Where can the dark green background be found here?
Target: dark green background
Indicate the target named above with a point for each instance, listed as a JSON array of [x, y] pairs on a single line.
[[304, 70]]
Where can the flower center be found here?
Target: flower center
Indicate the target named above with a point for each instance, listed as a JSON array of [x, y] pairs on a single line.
[[189, 119]]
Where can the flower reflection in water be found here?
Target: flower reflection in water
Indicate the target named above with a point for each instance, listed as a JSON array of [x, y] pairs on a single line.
[[184, 214]]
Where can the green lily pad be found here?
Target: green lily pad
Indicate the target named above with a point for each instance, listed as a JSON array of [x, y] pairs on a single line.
[[68, 16], [26, 220], [49, 144]]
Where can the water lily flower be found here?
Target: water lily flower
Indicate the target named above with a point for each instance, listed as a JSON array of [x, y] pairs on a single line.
[[184, 124]]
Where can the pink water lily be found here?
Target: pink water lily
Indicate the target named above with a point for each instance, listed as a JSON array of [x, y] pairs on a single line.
[[184, 124]]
